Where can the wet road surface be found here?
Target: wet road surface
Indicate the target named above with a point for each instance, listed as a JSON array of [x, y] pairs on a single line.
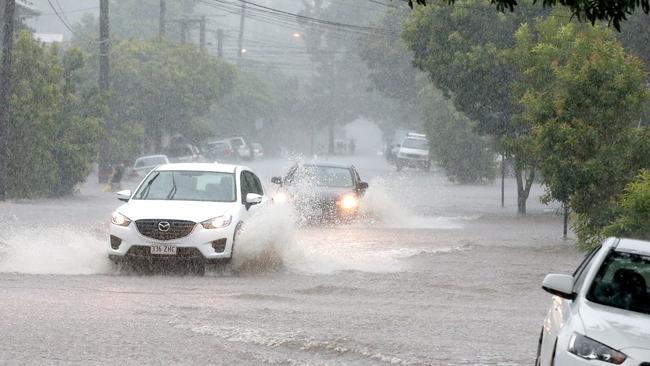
[[435, 274]]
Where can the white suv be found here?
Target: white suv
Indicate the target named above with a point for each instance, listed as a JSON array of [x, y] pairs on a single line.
[[413, 152], [189, 212], [601, 314]]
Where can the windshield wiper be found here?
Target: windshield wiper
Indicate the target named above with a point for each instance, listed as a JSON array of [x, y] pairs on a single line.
[[172, 191], [145, 191]]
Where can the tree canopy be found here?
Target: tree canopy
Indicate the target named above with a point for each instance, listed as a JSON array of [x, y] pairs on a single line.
[[612, 11]]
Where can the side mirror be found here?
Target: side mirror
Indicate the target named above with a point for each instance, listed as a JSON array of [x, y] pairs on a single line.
[[559, 285], [362, 186], [276, 180], [124, 195], [253, 198]]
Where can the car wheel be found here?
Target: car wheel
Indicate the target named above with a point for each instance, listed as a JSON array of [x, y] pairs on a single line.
[[539, 349]]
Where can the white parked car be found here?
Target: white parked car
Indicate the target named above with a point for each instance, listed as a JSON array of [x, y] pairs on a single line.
[[190, 212], [601, 314], [145, 164]]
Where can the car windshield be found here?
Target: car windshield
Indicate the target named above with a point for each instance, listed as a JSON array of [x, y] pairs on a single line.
[[416, 144], [622, 282], [150, 161], [187, 186], [323, 176]]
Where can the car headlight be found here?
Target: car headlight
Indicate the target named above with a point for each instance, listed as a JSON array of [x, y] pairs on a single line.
[[348, 202], [217, 222], [280, 198], [119, 219], [589, 349]]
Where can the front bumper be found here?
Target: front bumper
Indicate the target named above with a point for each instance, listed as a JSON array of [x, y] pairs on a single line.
[[128, 243], [412, 162]]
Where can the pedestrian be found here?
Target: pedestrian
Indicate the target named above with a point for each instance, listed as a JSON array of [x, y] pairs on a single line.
[[116, 177]]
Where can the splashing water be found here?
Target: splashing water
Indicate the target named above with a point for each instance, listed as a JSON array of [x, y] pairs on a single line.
[[49, 250]]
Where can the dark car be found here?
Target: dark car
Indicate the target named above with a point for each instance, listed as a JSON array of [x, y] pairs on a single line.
[[321, 190]]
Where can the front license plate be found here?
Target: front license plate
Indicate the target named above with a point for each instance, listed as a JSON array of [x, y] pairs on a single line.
[[163, 249]]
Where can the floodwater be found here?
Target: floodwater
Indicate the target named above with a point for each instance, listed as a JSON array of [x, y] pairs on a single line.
[[434, 274]]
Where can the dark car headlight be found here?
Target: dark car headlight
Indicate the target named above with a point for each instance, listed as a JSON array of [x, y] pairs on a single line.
[[590, 349]]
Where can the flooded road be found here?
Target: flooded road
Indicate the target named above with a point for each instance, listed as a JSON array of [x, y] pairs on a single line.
[[434, 274]]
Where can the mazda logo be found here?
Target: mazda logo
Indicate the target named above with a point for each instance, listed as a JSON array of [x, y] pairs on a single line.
[[164, 226]]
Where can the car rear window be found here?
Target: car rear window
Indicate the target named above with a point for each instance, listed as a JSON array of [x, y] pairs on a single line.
[[622, 282], [153, 161]]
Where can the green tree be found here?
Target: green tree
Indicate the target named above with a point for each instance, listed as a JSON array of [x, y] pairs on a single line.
[[465, 156], [463, 49], [632, 218], [583, 96], [164, 87], [607, 10], [52, 143]]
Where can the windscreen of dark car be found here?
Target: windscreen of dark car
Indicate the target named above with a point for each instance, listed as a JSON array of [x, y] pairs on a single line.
[[188, 186], [416, 144], [622, 282], [322, 176]]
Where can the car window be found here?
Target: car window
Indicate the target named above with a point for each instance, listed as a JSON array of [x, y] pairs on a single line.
[[622, 282], [187, 186], [582, 270]]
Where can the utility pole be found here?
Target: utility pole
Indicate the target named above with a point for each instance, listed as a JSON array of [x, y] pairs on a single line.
[[161, 21], [104, 46], [104, 83], [220, 43], [5, 92], [240, 41], [202, 32]]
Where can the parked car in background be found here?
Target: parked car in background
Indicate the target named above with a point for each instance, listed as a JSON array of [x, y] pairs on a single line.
[[184, 212], [241, 148], [600, 315], [144, 164], [185, 153], [321, 190], [220, 150], [413, 152], [258, 150]]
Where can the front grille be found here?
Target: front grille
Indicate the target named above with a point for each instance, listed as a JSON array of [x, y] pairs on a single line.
[[142, 251], [177, 229]]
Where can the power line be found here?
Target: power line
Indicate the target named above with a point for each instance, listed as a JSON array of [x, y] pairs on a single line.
[[61, 19], [70, 11], [280, 17]]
